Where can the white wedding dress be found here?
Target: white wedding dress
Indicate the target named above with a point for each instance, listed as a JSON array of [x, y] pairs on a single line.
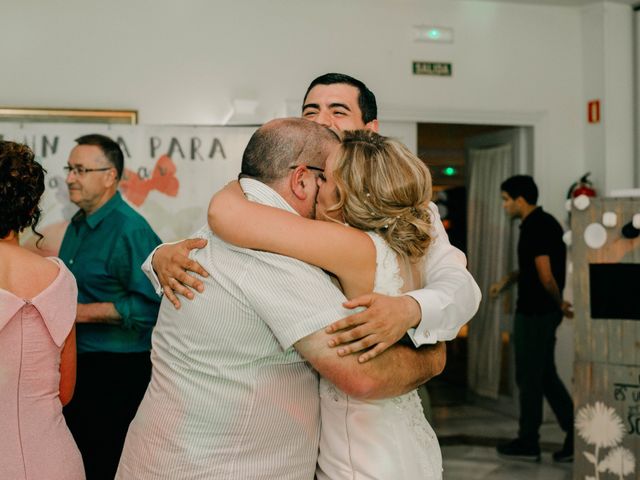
[[386, 439]]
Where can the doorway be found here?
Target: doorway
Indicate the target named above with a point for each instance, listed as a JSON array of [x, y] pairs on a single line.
[[448, 149]]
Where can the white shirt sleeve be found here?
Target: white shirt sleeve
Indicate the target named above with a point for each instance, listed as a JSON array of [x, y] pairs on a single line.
[[450, 296], [148, 270]]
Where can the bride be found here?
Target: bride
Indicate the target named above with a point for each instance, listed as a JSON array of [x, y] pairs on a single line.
[[374, 197]]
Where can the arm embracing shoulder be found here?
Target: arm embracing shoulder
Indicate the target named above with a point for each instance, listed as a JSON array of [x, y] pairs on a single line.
[[396, 371], [331, 246]]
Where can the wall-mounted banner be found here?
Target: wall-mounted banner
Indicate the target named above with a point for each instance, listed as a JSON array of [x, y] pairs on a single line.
[[170, 172]]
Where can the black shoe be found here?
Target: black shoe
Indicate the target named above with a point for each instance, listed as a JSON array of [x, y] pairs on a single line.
[[519, 450], [565, 454]]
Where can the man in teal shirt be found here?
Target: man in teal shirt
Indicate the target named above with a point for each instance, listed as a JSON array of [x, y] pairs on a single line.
[[104, 246]]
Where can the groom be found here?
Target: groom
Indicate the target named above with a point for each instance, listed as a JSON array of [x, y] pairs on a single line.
[[234, 393]]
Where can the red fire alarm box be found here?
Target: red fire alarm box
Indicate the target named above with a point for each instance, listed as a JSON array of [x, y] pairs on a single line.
[[593, 111]]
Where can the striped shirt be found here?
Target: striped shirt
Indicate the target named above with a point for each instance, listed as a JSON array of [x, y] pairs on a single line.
[[229, 397]]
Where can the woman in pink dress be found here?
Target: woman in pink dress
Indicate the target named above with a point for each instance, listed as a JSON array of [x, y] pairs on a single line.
[[37, 335]]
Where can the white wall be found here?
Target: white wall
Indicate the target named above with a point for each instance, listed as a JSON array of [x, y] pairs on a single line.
[[608, 76], [619, 93], [183, 62], [636, 80]]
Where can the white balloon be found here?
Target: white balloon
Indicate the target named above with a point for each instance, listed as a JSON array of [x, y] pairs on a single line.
[[567, 205], [609, 219], [595, 236], [567, 237], [581, 202]]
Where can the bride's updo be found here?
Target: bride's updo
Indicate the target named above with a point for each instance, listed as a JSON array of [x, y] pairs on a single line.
[[382, 186]]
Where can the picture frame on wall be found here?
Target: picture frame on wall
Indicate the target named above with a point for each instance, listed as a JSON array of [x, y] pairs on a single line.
[[68, 115]]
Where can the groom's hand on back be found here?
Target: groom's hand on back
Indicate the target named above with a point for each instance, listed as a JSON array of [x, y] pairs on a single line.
[[172, 264], [384, 322]]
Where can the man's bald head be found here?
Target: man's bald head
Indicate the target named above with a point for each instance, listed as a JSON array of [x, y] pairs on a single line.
[[280, 144]]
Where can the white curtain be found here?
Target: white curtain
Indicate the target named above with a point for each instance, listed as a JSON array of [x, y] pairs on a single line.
[[489, 248]]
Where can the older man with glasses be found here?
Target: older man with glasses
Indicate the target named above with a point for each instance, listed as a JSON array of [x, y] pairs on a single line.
[[104, 246]]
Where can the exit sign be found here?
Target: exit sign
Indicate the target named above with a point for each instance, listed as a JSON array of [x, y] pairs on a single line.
[[440, 69]]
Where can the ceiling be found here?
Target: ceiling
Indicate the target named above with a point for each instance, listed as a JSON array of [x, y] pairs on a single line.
[[565, 3]]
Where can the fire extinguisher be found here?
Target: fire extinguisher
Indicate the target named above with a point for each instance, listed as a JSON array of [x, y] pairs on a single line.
[[582, 187]]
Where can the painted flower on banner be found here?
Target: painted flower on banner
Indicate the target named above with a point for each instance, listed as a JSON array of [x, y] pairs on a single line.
[[619, 461], [599, 425]]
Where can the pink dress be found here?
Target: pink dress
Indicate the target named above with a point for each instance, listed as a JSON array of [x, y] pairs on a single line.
[[35, 442]]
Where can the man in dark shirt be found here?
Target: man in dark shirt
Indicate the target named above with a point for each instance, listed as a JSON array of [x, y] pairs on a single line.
[[539, 311]]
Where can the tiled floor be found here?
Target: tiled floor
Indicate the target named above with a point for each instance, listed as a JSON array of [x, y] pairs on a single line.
[[468, 435]]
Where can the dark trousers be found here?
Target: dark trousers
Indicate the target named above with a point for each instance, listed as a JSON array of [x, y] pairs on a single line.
[[536, 376], [109, 388]]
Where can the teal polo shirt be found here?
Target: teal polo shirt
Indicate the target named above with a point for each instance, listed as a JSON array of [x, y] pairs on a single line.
[[104, 251]]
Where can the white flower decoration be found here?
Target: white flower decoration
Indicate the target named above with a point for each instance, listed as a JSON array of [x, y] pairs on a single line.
[[599, 425], [619, 461]]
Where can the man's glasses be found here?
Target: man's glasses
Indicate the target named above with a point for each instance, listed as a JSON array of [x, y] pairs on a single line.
[[310, 167], [80, 170]]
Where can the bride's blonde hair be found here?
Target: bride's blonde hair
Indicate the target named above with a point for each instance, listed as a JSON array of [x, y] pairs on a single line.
[[382, 186]]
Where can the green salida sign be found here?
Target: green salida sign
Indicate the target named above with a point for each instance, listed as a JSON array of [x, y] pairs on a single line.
[[441, 69]]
